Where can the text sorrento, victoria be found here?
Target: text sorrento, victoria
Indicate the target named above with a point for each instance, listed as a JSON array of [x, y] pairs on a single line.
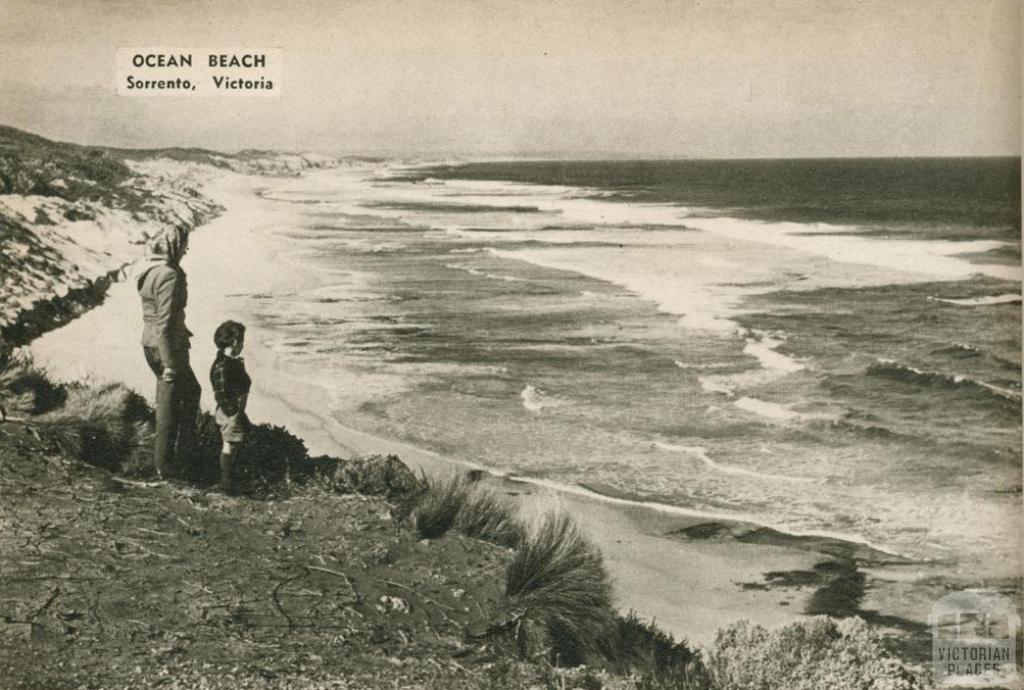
[[195, 73]]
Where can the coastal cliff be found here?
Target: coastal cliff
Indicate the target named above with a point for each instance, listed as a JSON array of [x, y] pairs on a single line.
[[71, 217]]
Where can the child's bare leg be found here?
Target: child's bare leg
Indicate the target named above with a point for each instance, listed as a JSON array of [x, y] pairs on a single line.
[[228, 453]]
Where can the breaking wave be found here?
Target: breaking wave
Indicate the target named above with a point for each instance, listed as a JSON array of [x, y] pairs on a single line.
[[894, 371], [987, 301]]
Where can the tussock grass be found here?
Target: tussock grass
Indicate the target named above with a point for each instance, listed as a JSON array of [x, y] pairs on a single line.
[[453, 501], [107, 426], [487, 515], [558, 579], [439, 504]]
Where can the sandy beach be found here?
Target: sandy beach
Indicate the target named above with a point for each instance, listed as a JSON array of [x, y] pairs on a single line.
[[690, 582]]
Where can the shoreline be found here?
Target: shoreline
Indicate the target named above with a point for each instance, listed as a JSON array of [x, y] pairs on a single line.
[[690, 586]]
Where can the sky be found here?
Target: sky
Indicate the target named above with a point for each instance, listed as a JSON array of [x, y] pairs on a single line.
[[715, 79]]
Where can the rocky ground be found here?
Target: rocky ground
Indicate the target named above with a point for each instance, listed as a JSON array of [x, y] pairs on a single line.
[[109, 583]]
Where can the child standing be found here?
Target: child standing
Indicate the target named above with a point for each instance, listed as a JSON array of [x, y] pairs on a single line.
[[231, 386]]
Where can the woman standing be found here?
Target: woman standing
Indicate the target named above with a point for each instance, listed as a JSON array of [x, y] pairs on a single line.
[[163, 287]]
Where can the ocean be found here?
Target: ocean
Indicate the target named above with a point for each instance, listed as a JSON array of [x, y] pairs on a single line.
[[820, 346]]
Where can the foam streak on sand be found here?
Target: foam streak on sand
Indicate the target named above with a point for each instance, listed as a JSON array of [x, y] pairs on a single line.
[[721, 516]]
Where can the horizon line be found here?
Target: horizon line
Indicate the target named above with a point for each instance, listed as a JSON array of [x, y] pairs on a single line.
[[534, 156]]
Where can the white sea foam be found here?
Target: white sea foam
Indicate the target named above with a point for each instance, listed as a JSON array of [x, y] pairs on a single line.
[[535, 399], [774, 366], [763, 349], [715, 384], [767, 409], [701, 454], [940, 259], [709, 365], [678, 280], [1009, 298]]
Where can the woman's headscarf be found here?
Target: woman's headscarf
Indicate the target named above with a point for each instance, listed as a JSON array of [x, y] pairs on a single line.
[[169, 245]]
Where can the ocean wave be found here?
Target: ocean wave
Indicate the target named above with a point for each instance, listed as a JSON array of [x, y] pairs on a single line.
[[701, 454], [959, 350], [874, 432], [986, 301], [893, 370], [774, 365]]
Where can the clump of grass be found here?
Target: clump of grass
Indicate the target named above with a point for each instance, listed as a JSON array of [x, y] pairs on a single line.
[[489, 516], [104, 426], [639, 647], [25, 389], [454, 501], [557, 578], [820, 652], [439, 504]]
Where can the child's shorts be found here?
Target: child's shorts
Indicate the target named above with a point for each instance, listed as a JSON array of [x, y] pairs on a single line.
[[232, 427]]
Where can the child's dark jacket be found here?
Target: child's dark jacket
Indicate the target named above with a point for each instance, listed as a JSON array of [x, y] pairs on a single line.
[[230, 383]]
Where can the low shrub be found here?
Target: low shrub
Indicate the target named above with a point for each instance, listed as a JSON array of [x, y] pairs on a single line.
[[273, 455], [816, 653], [377, 475]]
